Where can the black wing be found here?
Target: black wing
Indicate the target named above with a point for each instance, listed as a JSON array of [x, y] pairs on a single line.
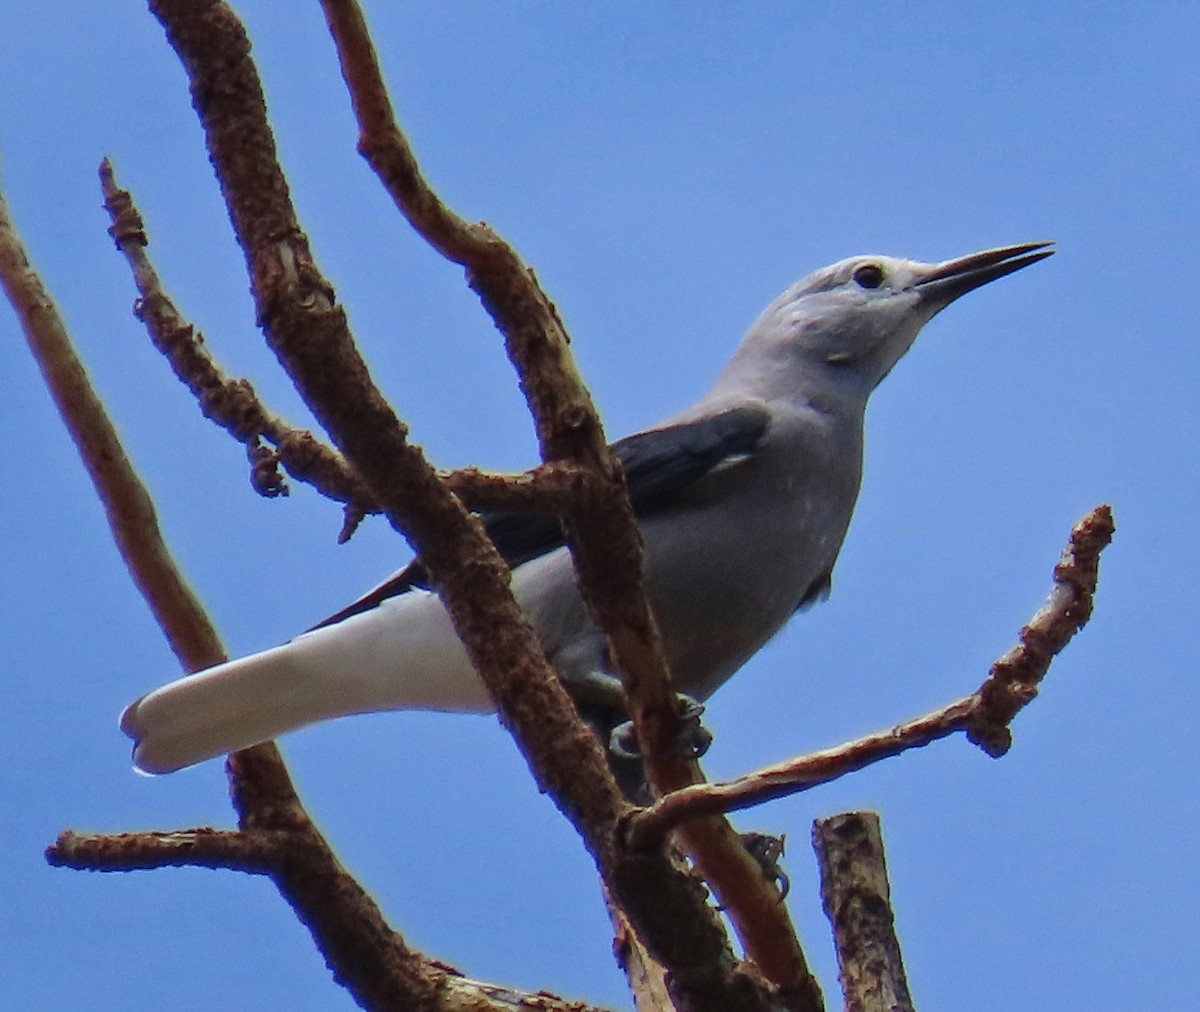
[[658, 464]]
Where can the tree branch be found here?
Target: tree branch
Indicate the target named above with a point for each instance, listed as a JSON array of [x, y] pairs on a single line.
[[605, 541], [233, 404], [857, 901], [127, 505], [984, 716], [309, 335], [252, 852], [265, 852], [1012, 683], [603, 536], [343, 919]]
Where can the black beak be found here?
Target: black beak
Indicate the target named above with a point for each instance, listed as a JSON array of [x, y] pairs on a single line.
[[947, 281]]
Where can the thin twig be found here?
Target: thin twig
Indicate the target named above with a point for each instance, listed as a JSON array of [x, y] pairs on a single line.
[[235, 406], [1013, 681], [984, 715], [794, 776], [130, 512], [548, 489], [230, 403], [858, 903], [253, 852]]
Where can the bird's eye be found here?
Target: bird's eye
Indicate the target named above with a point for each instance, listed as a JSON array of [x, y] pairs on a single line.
[[869, 276]]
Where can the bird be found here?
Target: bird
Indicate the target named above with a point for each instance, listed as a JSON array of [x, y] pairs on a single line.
[[742, 500]]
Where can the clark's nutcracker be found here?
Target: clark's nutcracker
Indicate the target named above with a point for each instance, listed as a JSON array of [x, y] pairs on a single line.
[[742, 500]]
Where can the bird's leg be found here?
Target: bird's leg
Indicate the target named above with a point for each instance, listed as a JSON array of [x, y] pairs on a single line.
[[600, 699], [600, 691], [596, 690], [692, 742]]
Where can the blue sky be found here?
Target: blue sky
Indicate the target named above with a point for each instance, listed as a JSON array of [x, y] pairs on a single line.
[[667, 169]]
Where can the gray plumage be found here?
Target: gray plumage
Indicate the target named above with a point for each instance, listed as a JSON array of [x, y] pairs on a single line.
[[743, 501]]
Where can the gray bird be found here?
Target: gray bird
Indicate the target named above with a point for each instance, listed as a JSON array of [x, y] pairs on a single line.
[[743, 501]]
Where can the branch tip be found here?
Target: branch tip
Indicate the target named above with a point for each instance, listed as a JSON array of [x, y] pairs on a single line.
[[985, 716]]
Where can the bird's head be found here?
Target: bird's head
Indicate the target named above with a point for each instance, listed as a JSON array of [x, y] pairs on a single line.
[[856, 318]]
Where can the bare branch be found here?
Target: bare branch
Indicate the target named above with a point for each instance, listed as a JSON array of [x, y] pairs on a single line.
[[130, 512], [363, 952], [857, 901], [604, 538], [310, 337], [1012, 683], [795, 775], [230, 403], [309, 334], [344, 921], [549, 488], [264, 852], [606, 544], [199, 848], [234, 406], [985, 715]]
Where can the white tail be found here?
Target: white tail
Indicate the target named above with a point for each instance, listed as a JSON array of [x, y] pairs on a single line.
[[403, 655]]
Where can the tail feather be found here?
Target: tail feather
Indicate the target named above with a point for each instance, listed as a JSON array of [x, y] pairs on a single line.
[[402, 655]]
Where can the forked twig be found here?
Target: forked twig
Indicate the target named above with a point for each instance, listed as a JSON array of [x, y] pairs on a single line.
[[234, 405]]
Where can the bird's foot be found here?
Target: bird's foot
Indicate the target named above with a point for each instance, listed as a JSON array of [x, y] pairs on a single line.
[[692, 741], [767, 850]]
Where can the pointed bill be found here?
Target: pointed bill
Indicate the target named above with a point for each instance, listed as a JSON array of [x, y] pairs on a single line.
[[946, 281]]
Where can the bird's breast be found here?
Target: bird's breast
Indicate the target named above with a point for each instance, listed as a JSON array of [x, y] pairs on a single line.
[[726, 572]]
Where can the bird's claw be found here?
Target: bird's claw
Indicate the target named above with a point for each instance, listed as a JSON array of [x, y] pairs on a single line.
[[692, 741], [767, 851]]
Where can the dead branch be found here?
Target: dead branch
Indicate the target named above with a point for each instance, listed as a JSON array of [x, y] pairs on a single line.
[[232, 404], [261, 852], [130, 512], [603, 536], [857, 901], [309, 335], [984, 716], [250, 852], [1013, 681], [269, 852], [343, 919], [605, 540]]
